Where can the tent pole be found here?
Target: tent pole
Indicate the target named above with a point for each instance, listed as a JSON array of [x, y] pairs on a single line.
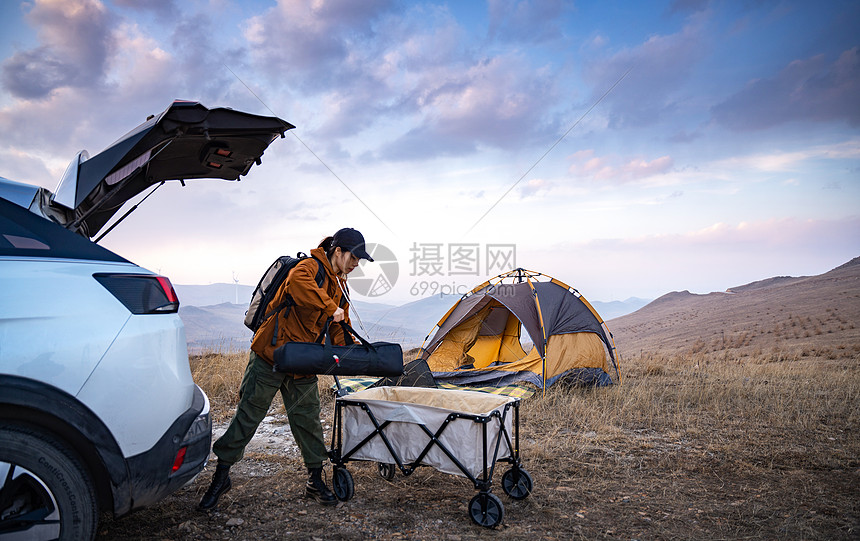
[[543, 333]]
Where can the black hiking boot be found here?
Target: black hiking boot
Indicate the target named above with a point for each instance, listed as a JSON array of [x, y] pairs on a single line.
[[316, 488], [220, 484]]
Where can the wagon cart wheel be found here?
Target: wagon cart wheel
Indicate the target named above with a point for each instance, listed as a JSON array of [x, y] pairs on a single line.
[[387, 471], [517, 483], [486, 510], [344, 487]]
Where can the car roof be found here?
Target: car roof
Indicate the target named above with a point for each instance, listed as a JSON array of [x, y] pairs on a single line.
[[22, 194], [23, 233]]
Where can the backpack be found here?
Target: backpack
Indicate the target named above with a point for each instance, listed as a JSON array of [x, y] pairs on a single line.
[[269, 285]]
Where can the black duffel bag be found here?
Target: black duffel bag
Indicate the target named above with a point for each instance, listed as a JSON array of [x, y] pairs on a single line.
[[380, 359]]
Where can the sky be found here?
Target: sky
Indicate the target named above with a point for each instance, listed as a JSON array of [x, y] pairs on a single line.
[[628, 149]]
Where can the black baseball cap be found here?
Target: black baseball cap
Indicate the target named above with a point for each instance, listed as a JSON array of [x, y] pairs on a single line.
[[352, 241]]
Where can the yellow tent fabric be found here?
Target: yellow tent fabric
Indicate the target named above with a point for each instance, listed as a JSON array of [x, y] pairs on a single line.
[[478, 341], [574, 350], [564, 351], [503, 347], [451, 353]]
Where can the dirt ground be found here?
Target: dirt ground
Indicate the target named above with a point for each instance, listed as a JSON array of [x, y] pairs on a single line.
[[640, 484]]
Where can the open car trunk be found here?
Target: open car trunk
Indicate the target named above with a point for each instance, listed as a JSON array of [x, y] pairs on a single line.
[[186, 141]]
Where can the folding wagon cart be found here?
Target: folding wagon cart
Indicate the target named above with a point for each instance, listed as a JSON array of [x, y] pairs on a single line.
[[457, 432]]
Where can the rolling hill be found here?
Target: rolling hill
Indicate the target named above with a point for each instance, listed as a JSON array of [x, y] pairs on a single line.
[[213, 320], [783, 314], [220, 326], [806, 315]]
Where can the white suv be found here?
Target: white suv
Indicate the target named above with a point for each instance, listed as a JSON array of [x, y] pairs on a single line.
[[98, 409]]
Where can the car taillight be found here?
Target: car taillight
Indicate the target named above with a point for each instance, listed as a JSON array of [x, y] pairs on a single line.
[[167, 287], [180, 458], [141, 293]]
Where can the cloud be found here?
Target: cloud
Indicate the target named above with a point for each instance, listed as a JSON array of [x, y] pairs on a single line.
[[163, 9], [315, 45], [531, 21], [500, 102], [128, 76], [356, 62], [684, 136], [813, 90], [615, 170], [597, 41], [76, 46], [790, 161], [27, 168], [66, 121], [535, 187], [141, 75], [424, 143], [405, 75], [658, 68], [688, 6], [201, 61]]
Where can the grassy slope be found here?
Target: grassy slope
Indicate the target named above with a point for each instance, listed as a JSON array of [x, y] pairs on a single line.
[[810, 316]]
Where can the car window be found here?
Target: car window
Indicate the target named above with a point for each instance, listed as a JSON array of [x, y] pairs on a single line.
[[23, 233]]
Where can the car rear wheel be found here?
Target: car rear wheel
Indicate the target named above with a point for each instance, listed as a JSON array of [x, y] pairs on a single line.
[[45, 492]]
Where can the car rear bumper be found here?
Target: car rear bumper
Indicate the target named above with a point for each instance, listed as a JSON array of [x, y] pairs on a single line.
[[160, 470]]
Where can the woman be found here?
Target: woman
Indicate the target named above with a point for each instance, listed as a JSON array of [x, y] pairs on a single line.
[[310, 307]]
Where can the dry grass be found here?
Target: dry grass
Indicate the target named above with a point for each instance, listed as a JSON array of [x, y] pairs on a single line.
[[699, 445], [219, 375], [754, 410], [710, 446]]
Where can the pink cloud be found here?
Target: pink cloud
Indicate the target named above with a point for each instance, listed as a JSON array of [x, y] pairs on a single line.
[[613, 169], [534, 187]]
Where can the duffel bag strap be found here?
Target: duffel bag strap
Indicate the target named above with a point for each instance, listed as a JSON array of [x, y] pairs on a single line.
[[347, 330], [326, 334]]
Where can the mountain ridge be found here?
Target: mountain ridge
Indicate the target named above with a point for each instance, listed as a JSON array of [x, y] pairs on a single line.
[[798, 313], [783, 313], [213, 320]]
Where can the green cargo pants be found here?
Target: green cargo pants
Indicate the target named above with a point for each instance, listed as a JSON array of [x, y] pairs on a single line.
[[258, 388]]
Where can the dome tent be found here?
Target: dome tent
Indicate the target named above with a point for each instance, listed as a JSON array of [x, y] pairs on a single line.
[[478, 341]]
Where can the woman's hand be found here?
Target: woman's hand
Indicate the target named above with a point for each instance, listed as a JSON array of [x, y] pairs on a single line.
[[338, 315]]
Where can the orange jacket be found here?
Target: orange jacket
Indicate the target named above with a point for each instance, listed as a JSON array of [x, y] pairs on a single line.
[[313, 305]]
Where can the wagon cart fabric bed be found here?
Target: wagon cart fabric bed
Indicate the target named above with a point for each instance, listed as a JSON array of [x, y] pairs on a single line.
[[455, 431]]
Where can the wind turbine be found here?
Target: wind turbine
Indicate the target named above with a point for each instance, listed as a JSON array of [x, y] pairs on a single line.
[[236, 281]]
